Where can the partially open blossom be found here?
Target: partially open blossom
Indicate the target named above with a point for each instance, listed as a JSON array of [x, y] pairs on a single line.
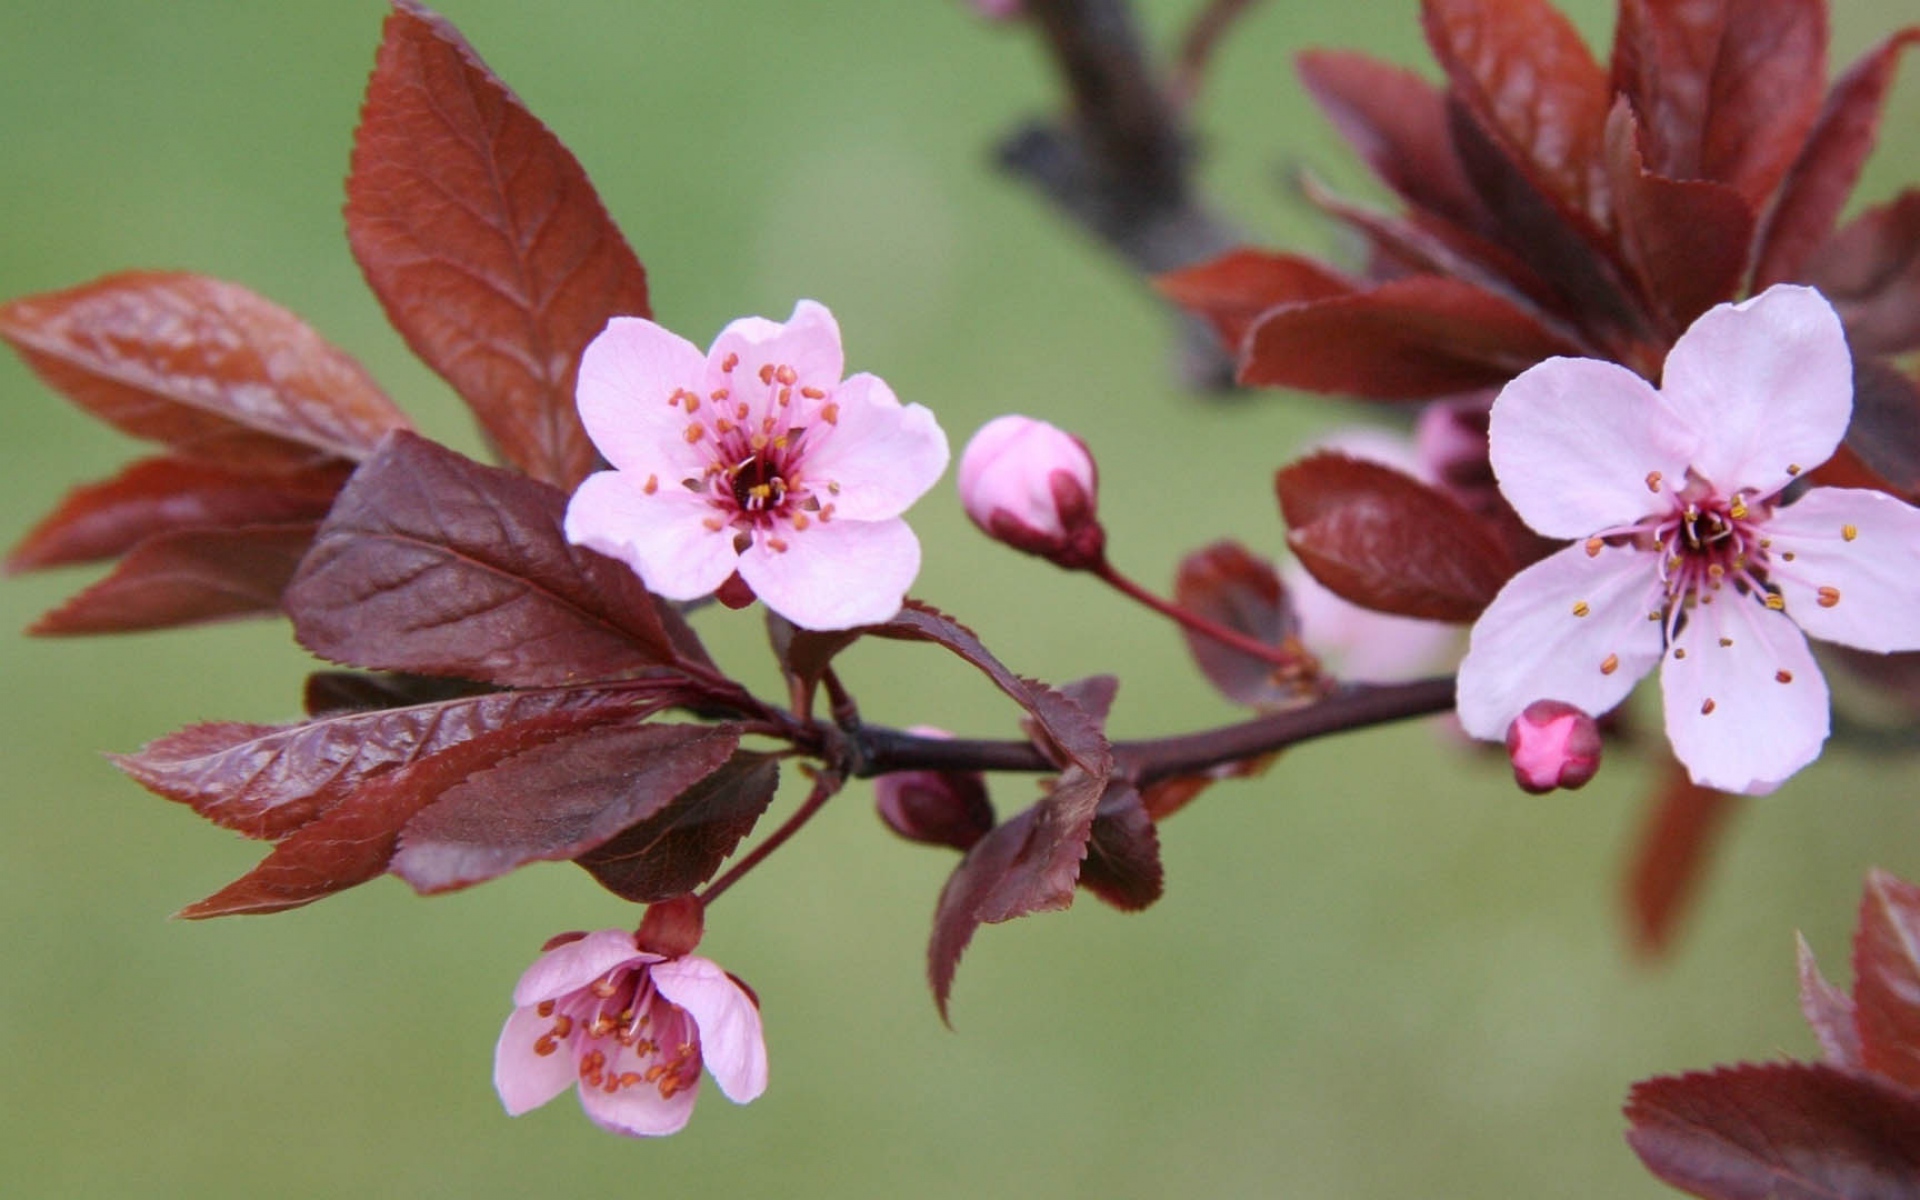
[[938, 808], [631, 1029], [1553, 745], [755, 457], [1691, 551], [1035, 487]]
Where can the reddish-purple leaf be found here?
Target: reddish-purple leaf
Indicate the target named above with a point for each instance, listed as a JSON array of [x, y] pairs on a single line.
[[1683, 825], [206, 367], [680, 847], [1821, 178], [187, 577], [265, 781], [1829, 1011], [1870, 271], [1230, 586], [1232, 291], [484, 241], [1885, 431], [1405, 339], [1123, 854], [1886, 977], [164, 494], [1779, 1131], [332, 693], [556, 802], [1388, 542], [435, 564]]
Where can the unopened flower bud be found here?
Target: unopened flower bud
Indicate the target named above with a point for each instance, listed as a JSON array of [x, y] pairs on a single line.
[[1034, 487], [1553, 745], [937, 808], [672, 927]]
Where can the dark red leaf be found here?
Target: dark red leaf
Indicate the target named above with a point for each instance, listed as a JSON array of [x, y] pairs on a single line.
[[266, 781], [206, 367], [1779, 1131], [354, 840], [1093, 696], [1388, 542], [1405, 339], [484, 241], [1683, 826], [1821, 178], [1232, 291], [1230, 586], [1870, 270], [161, 495], [1885, 431], [435, 564], [1123, 854], [1886, 977], [556, 802], [680, 847], [1829, 1011], [1164, 797], [186, 577], [332, 693]]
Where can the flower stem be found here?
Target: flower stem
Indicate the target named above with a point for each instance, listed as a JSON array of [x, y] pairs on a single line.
[[825, 787], [1282, 657]]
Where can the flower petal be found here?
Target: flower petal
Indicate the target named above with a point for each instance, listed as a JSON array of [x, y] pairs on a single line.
[[1361, 645], [1531, 644], [627, 374], [1746, 704], [732, 1042], [573, 965], [883, 456], [1768, 383], [1854, 575], [837, 574], [1581, 445], [809, 342], [663, 537], [638, 1109], [526, 1079]]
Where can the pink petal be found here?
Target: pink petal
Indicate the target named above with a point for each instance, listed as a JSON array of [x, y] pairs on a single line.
[[836, 574], [1361, 645], [663, 537], [1862, 592], [1757, 730], [574, 965], [809, 342], [638, 1110], [883, 456], [732, 1042], [1581, 445], [1530, 645], [1768, 383], [524, 1079], [626, 375]]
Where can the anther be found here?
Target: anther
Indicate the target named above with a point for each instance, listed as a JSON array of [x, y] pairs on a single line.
[[813, 393], [1783, 676], [830, 413], [1829, 596], [1593, 547], [1787, 557], [1849, 532], [1738, 509], [741, 411], [777, 546], [732, 361], [652, 485], [786, 375], [786, 396], [1793, 468], [766, 374], [545, 1009], [1653, 481], [694, 433], [1706, 706], [722, 426], [718, 394], [1610, 664], [800, 521], [1580, 608], [1679, 652], [1776, 602], [714, 524], [1726, 641]]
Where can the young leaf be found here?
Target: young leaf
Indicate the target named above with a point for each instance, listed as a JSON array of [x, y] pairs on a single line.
[[680, 847], [186, 577], [1886, 978], [1870, 272], [556, 802], [206, 367], [166, 494], [1230, 586], [1123, 853], [484, 241], [434, 564], [1232, 291], [1684, 824], [1829, 1011], [1388, 542], [1778, 1131]]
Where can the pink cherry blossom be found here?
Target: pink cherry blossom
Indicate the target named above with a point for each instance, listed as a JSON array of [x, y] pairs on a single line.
[[755, 457], [1692, 550], [631, 1030], [1035, 487]]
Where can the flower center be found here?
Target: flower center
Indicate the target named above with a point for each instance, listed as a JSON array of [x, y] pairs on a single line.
[[1708, 544], [623, 1033]]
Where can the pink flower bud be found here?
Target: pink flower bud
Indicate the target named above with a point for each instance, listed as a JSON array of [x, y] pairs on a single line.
[[1034, 487], [1553, 745], [936, 808]]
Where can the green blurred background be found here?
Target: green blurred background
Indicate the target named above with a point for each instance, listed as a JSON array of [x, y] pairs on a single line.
[[1380, 971]]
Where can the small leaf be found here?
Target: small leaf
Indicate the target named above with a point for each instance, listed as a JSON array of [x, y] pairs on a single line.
[[1829, 1011], [1123, 852], [556, 802], [1232, 291], [434, 564], [1230, 586], [1870, 272], [681, 846], [1779, 1131], [206, 367], [484, 241], [1684, 825], [186, 577], [1388, 542], [1886, 978]]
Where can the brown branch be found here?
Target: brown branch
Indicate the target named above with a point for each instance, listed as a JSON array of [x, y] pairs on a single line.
[[1197, 48]]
